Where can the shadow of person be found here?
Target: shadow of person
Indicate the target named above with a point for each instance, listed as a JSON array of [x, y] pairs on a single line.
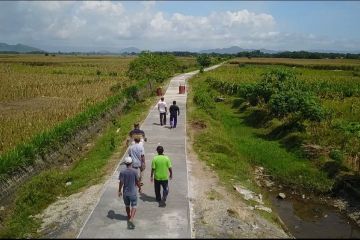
[[147, 198], [157, 124], [112, 215]]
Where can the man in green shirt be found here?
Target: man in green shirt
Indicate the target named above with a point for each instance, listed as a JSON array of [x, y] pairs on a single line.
[[161, 165]]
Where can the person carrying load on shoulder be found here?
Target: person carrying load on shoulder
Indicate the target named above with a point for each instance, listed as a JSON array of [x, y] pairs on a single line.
[[136, 133]]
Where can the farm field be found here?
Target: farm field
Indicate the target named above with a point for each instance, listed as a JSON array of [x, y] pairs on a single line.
[[330, 143], [316, 63], [38, 92]]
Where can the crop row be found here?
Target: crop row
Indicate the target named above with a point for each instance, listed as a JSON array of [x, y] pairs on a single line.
[[24, 154]]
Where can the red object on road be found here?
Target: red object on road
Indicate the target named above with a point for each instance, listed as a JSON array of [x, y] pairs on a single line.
[[159, 91], [181, 89]]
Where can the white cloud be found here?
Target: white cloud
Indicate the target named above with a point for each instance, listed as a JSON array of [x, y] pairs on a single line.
[[114, 9], [99, 24]]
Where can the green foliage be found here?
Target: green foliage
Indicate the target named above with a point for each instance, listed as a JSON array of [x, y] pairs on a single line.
[[235, 159], [24, 154], [349, 128], [152, 67], [204, 98], [282, 93], [337, 155], [203, 60]]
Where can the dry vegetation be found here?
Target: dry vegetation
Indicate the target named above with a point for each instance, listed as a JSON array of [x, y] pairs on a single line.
[[37, 92]]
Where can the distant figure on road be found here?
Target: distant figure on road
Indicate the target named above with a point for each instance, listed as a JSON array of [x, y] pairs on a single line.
[[136, 133], [128, 180], [162, 110], [160, 167], [174, 112], [137, 153]]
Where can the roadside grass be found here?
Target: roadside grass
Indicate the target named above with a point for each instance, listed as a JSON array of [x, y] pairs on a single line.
[[43, 189], [338, 93], [233, 148]]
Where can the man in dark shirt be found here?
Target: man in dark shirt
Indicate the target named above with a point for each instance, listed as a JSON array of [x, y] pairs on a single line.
[[136, 133], [174, 112]]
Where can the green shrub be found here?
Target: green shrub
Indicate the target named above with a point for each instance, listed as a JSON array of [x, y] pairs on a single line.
[[152, 67], [203, 60], [337, 155]]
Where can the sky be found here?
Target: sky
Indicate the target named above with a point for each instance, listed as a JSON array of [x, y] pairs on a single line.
[[181, 25]]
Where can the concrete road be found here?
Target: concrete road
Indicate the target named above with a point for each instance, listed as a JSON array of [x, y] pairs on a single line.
[[109, 220]]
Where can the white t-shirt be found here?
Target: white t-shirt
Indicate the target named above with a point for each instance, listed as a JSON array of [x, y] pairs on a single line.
[[162, 106]]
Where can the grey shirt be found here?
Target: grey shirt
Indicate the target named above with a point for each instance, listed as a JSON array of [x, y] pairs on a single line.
[[135, 152], [129, 177]]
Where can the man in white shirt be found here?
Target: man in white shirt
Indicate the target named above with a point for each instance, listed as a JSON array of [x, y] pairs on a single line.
[[162, 110]]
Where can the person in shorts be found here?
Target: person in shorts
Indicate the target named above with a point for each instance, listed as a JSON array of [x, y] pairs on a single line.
[[129, 179]]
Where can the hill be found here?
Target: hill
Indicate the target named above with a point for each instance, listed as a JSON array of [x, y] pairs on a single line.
[[21, 48]]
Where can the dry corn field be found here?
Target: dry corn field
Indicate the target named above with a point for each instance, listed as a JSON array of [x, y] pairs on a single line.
[[37, 92]]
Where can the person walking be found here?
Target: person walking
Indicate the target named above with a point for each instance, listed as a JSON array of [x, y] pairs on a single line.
[[160, 166], [136, 133], [137, 153], [162, 107], [174, 112], [128, 180]]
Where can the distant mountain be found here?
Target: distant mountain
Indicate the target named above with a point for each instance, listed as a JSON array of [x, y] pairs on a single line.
[[234, 50], [335, 51], [268, 51], [130, 50], [18, 48], [230, 50]]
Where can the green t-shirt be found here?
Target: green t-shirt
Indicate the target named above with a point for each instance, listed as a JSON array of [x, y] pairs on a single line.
[[161, 165]]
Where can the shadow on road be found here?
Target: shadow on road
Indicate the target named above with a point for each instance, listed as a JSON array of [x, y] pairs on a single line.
[[147, 198], [112, 215]]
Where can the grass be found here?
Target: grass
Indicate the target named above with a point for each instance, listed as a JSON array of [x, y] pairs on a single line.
[[233, 149], [338, 93], [42, 190]]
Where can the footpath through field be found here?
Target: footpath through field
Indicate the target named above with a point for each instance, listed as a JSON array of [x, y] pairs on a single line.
[[109, 220]]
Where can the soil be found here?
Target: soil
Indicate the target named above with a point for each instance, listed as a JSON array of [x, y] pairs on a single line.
[[65, 217]]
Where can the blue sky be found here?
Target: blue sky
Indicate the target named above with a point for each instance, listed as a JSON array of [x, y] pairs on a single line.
[[182, 25]]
